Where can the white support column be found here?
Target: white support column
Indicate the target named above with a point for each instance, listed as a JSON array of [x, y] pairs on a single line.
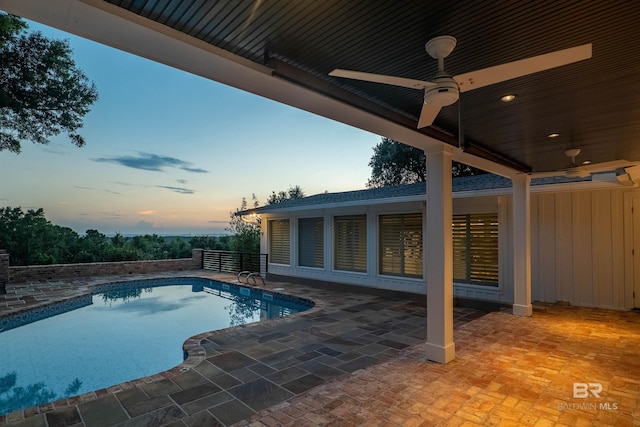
[[522, 246], [439, 256]]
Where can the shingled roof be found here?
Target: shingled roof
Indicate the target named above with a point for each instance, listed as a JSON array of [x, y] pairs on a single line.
[[462, 184]]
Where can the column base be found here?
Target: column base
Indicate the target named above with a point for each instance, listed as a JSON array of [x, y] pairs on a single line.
[[522, 310], [437, 353]]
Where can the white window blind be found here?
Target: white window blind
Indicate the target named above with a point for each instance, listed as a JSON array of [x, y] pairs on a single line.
[[350, 243], [311, 242], [475, 248], [401, 244], [279, 241]]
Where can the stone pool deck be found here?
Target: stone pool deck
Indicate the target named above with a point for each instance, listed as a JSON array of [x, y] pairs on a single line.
[[358, 359]]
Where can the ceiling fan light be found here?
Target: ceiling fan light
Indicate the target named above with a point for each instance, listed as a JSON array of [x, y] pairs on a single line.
[[572, 152]]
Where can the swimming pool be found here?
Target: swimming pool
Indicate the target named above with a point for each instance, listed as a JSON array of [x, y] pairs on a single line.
[[122, 332]]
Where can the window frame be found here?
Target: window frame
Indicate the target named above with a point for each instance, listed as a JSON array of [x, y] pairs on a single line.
[[355, 240], [318, 242], [283, 244], [407, 223], [481, 248]]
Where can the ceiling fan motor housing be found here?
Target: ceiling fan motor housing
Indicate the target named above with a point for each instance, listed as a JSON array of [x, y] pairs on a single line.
[[445, 92]]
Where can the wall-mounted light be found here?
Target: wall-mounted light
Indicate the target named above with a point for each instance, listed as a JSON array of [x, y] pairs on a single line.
[[252, 218]]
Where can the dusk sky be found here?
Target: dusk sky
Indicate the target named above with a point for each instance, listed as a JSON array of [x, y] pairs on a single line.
[[172, 153]]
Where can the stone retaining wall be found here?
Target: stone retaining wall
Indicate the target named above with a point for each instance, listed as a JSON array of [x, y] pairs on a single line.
[[4, 271], [28, 273]]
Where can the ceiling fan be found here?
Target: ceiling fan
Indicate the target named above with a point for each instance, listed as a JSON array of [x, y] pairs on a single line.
[[444, 89], [584, 170]]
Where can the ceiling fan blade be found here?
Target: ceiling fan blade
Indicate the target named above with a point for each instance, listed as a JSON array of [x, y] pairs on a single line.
[[511, 70], [428, 114], [381, 78], [547, 174], [607, 166], [584, 171]]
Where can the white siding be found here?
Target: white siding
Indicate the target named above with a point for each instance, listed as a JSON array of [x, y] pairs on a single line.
[[580, 247], [578, 243]]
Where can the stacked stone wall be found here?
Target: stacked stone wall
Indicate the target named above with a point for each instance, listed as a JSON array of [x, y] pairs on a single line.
[[32, 273]]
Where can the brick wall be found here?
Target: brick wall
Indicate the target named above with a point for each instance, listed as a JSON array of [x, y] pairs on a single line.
[[18, 274]]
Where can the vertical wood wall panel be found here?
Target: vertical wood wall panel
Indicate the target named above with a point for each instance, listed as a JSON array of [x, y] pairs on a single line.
[[582, 262], [564, 247], [536, 225], [547, 238], [578, 248], [602, 249], [618, 248]]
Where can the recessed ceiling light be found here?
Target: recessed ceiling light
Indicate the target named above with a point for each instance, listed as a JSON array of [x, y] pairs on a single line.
[[586, 162], [508, 98], [553, 135]]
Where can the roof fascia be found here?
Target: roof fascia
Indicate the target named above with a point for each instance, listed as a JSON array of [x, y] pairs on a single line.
[[505, 191]]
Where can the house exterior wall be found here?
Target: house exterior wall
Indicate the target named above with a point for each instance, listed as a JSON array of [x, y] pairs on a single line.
[[582, 240], [580, 248], [372, 278]]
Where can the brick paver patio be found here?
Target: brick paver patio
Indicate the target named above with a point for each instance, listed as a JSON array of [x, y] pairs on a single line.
[[357, 359]]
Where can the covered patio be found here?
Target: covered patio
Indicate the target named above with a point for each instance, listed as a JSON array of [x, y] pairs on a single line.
[[286, 51]]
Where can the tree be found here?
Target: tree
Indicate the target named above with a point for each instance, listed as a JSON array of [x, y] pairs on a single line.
[[395, 163], [295, 192], [31, 239], [246, 236], [42, 92]]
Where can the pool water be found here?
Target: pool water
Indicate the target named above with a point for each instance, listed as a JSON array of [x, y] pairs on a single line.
[[128, 332]]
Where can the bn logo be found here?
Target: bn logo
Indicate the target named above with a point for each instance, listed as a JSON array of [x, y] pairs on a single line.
[[582, 390]]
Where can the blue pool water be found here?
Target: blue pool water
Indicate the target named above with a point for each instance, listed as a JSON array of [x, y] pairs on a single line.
[[129, 331]]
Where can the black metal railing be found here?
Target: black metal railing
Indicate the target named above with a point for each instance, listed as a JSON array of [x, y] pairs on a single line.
[[234, 262]]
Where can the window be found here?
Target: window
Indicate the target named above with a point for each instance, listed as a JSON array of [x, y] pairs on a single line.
[[401, 244], [311, 242], [279, 241], [350, 241], [475, 249]]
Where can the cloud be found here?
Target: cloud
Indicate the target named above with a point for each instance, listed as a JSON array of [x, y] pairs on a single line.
[[196, 170], [151, 162], [58, 149], [176, 189], [181, 181], [146, 212], [218, 222], [96, 189]]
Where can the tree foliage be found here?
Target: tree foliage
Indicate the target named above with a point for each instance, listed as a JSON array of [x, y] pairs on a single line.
[[295, 192], [31, 239], [395, 163], [246, 235], [42, 91]]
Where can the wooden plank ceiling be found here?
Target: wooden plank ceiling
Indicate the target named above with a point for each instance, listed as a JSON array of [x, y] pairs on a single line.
[[594, 105]]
